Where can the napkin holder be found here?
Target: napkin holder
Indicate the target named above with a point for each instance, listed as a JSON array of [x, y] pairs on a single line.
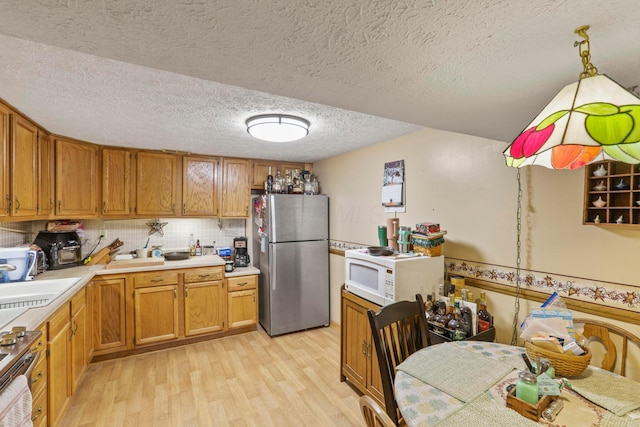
[[526, 409]]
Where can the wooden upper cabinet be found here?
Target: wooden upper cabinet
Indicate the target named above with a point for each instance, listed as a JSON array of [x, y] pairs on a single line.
[[116, 182], [236, 193], [199, 181], [76, 187], [4, 161], [156, 184], [260, 171], [24, 167], [45, 175]]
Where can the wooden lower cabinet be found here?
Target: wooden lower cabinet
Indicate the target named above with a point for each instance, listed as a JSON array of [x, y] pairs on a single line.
[[156, 313], [58, 365], [242, 301], [358, 359], [39, 379], [107, 297], [204, 301]]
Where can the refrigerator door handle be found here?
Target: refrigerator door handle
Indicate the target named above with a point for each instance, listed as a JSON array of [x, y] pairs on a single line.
[[272, 270]]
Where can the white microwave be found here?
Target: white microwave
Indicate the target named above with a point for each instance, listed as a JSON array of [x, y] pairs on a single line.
[[386, 279]]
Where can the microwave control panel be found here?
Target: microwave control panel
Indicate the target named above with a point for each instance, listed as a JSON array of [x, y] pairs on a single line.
[[389, 286]]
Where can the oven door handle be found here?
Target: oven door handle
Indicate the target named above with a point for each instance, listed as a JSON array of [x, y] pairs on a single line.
[[32, 366], [24, 366]]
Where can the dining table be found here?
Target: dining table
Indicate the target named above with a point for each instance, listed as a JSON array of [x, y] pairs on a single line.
[[465, 383]]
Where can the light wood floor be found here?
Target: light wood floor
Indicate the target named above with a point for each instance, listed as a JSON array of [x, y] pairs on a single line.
[[243, 380]]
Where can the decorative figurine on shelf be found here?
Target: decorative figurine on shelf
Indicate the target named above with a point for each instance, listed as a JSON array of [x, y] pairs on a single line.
[[622, 185], [600, 186], [620, 220], [597, 219], [601, 171]]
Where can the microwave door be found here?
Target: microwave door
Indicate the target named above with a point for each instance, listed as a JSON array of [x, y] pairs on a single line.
[[368, 280]]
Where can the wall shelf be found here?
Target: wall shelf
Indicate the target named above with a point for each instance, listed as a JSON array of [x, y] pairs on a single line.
[[619, 187]]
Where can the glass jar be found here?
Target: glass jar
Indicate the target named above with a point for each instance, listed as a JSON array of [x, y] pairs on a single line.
[[527, 387], [308, 189]]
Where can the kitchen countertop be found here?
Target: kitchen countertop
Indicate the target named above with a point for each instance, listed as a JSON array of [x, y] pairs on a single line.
[[33, 317]]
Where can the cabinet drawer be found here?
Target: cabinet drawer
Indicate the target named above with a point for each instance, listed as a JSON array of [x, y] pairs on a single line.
[[242, 282], [155, 278], [39, 411], [59, 321], [39, 375], [41, 344], [78, 301], [203, 275]]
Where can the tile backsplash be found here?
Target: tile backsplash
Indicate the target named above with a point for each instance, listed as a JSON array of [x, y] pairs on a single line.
[[134, 232]]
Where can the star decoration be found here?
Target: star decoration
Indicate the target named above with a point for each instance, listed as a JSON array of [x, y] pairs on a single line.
[[599, 294], [629, 298], [155, 227]]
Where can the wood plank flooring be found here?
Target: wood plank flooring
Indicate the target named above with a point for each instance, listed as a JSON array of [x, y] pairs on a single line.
[[242, 380]]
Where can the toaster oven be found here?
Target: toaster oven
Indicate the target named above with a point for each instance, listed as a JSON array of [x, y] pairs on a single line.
[[62, 248]]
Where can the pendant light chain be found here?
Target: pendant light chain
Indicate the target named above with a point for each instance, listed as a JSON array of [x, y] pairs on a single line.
[[514, 336], [585, 54]]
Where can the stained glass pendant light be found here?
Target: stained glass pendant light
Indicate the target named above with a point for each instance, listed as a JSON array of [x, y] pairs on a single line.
[[590, 120]]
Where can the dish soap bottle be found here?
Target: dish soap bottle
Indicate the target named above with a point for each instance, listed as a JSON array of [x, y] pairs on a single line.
[[198, 248], [192, 246]]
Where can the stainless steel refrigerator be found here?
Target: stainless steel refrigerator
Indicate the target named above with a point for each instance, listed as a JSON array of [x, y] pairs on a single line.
[[291, 249]]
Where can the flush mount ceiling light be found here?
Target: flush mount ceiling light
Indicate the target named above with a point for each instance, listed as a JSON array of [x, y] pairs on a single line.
[[277, 127], [590, 120]]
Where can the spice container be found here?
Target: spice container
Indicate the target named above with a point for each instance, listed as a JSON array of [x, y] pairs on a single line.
[[527, 387]]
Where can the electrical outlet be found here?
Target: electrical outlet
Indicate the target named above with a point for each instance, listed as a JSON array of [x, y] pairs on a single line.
[[103, 233]]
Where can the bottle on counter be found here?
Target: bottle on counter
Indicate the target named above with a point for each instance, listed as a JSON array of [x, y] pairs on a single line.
[[268, 184], [198, 248], [314, 184], [485, 320], [192, 246]]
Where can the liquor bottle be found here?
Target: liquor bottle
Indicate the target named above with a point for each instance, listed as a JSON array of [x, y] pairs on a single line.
[[447, 317], [467, 318], [269, 182], [192, 245], [277, 183], [484, 317], [315, 187], [308, 188], [428, 308], [198, 248], [457, 324], [289, 182]]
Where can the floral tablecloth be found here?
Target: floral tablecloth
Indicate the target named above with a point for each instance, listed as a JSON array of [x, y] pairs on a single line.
[[423, 405]]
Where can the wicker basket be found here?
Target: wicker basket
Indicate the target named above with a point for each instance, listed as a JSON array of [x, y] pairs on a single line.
[[565, 365], [430, 246]]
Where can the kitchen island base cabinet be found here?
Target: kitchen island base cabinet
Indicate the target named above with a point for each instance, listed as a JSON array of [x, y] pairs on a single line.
[[358, 359], [242, 305]]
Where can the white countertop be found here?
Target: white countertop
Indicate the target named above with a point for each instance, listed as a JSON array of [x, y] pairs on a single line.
[[33, 317]]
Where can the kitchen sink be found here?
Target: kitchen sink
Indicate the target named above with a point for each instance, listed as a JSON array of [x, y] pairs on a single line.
[[34, 293]]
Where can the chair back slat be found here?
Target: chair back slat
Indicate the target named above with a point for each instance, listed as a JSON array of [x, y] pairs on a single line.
[[398, 330]]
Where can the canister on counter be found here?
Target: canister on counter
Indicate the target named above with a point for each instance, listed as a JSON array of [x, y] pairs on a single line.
[[458, 281]]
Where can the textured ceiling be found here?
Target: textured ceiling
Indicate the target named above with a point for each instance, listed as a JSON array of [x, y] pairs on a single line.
[[185, 74]]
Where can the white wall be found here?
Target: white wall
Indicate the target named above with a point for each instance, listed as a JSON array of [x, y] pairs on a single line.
[[462, 183]]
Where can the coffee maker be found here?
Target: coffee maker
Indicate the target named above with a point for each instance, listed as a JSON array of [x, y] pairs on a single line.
[[240, 254]]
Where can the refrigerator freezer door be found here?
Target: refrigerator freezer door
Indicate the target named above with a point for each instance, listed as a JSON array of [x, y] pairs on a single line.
[[297, 286], [297, 218]]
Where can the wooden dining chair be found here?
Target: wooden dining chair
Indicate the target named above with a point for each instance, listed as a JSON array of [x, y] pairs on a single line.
[[399, 330], [373, 414], [596, 330]]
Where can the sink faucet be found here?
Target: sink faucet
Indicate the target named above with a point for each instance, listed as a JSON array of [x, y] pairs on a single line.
[[7, 267]]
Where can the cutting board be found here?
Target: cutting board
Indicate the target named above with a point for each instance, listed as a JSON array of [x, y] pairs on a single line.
[[136, 262]]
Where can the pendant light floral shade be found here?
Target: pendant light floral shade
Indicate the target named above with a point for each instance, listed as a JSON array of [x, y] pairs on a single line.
[[590, 120]]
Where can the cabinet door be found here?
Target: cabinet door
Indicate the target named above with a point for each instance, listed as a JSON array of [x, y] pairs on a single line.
[[58, 347], [108, 315], [78, 355], [156, 184], [260, 171], [242, 307], [203, 307], [5, 210], [355, 342], [76, 179], [199, 179], [46, 175], [374, 379], [24, 167], [156, 314], [235, 188], [116, 182]]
